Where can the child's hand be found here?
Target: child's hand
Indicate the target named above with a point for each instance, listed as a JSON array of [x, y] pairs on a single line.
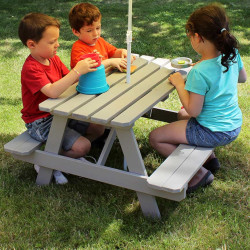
[[123, 53], [176, 79], [118, 63], [86, 65], [97, 52]]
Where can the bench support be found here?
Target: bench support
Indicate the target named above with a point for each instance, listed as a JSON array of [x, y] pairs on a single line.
[[178, 169]]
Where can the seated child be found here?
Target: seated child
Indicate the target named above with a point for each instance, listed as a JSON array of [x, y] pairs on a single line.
[[44, 76], [211, 116], [85, 21]]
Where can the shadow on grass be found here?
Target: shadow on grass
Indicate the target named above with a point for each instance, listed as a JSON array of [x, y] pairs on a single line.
[[85, 211], [10, 101], [83, 205]]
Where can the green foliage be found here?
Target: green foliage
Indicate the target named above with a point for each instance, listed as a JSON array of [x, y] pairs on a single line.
[[92, 215]]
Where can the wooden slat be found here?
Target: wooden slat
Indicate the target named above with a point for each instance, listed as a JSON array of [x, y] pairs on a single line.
[[164, 115], [104, 99], [96, 172], [187, 170], [79, 100], [134, 112], [119, 105], [50, 103], [112, 79], [117, 76], [163, 173], [22, 144], [148, 58], [72, 104], [161, 61]]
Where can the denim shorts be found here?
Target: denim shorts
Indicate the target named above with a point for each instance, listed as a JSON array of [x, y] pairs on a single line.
[[201, 136], [39, 130]]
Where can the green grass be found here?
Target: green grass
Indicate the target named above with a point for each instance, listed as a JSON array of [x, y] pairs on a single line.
[[92, 215]]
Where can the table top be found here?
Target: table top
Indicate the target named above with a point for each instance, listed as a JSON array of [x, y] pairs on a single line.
[[124, 102]]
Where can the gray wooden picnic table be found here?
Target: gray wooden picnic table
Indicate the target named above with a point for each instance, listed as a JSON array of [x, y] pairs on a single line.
[[118, 108]]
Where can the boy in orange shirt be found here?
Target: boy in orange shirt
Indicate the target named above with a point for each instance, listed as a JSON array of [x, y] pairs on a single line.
[[85, 21]]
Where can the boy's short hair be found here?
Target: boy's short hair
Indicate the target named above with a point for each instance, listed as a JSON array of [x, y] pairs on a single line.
[[33, 25], [83, 14]]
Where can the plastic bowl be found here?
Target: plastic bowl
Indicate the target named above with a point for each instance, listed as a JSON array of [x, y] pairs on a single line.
[[181, 62], [93, 83], [93, 56]]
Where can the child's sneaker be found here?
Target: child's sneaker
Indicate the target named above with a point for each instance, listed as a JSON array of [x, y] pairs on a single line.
[[59, 177], [93, 160]]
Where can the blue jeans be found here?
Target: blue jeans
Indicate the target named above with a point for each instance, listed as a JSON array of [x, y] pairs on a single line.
[[39, 130], [198, 135]]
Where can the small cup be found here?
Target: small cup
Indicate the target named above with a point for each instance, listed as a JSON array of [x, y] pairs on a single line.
[[93, 56]]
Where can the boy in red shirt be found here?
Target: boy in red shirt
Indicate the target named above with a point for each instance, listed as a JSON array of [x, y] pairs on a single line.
[[85, 21], [44, 76]]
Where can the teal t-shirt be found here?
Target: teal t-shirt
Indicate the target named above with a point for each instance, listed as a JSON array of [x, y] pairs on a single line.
[[220, 110]]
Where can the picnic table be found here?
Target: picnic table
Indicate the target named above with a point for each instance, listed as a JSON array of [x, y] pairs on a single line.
[[119, 109]]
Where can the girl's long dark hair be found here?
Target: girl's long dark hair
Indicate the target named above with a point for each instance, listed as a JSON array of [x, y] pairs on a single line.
[[211, 22]]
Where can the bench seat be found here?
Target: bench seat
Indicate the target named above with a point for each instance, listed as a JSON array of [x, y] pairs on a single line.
[[22, 145], [178, 169]]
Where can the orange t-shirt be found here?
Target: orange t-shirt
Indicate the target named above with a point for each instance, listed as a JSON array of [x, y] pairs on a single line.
[[79, 48]]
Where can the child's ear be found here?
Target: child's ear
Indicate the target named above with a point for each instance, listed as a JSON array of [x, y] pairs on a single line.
[[30, 44], [198, 36], [75, 32]]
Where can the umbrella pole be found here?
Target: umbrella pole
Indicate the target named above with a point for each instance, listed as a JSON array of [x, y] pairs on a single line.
[[129, 40], [128, 59]]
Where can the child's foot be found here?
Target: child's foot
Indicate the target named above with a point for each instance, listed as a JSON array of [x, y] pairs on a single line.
[[213, 165], [93, 160], [206, 180], [59, 177]]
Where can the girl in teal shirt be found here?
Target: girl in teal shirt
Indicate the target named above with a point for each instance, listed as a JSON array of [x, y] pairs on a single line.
[[211, 115]]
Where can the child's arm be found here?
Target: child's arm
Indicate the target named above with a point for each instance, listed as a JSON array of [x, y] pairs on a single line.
[[120, 53], [54, 90], [192, 102], [118, 60], [242, 76], [118, 63]]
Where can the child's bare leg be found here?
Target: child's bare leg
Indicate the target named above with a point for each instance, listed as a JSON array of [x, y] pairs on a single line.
[[165, 139], [94, 131], [80, 148], [183, 115]]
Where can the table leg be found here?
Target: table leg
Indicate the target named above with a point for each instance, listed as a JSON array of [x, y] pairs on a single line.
[[136, 165], [53, 145], [107, 147]]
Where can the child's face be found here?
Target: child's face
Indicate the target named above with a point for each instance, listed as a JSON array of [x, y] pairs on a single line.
[[195, 41], [89, 34], [48, 44]]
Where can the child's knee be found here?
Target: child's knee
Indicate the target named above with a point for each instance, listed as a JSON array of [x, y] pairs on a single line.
[[152, 139], [99, 130], [82, 146], [95, 130]]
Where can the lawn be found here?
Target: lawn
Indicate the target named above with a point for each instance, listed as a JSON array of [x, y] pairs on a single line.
[[86, 214]]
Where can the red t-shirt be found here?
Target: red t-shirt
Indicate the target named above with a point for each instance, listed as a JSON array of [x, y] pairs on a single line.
[[34, 76], [79, 48]]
